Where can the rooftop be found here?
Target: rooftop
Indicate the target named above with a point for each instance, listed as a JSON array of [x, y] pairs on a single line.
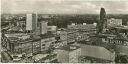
[[47, 35], [15, 37], [17, 28], [96, 52], [69, 47], [85, 27], [122, 27]]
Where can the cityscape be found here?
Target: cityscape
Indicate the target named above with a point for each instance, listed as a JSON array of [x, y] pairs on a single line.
[[64, 38]]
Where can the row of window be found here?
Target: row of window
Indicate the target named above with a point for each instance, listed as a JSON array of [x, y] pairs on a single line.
[[118, 42]]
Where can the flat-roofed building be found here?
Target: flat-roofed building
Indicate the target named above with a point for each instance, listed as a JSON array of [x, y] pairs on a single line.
[[47, 42], [68, 54], [79, 32], [96, 52], [23, 44], [31, 22], [44, 27]]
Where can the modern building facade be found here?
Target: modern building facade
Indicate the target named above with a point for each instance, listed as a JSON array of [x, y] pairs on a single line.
[[44, 27], [31, 22], [102, 23]]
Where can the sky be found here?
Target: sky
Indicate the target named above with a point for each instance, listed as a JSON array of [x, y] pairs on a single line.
[[64, 6]]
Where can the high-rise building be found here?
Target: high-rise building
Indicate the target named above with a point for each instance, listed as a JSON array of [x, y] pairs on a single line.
[[44, 27], [102, 23], [31, 22]]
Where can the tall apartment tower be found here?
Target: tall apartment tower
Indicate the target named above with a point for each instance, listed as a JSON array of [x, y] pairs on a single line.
[[31, 22], [102, 23], [44, 27]]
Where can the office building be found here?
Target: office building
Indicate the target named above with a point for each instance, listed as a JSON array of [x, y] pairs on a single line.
[[80, 32], [31, 22], [47, 42], [36, 44], [84, 28], [102, 24], [20, 44], [68, 54], [44, 27]]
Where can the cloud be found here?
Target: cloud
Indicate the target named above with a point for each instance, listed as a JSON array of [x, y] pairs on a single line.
[[63, 6]]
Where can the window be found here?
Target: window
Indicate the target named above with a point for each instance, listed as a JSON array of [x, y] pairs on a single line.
[[43, 44]]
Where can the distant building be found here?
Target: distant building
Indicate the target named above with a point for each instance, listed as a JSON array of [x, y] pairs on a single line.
[[119, 37], [84, 23], [31, 22], [79, 32], [114, 40], [86, 27], [125, 22], [73, 24], [122, 29], [114, 22], [44, 27], [52, 29], [68, 54], [95, 24], [102, 24]]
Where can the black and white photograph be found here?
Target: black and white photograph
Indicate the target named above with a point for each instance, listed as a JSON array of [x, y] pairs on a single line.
[[64, 31]]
